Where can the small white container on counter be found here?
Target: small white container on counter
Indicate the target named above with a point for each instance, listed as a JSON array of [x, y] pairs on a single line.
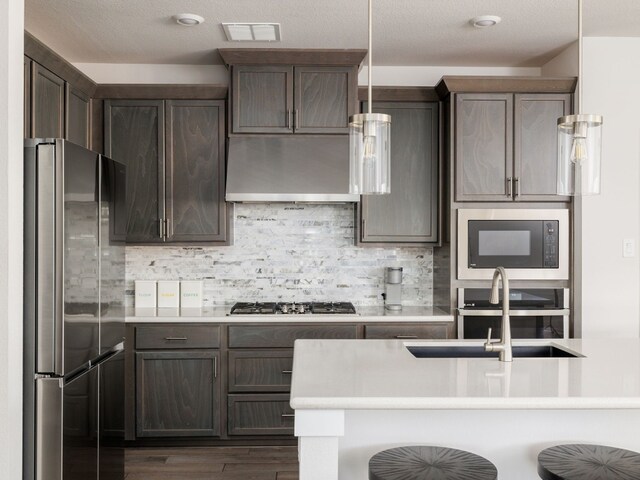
[[168, 294], [145, 294], [191, 294]]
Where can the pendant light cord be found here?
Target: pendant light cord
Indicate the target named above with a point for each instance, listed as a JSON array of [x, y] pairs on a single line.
[[579, 100], [370, 48]]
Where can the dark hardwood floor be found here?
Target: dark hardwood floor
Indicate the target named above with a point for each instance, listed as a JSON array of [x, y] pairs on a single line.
[[212, 463]]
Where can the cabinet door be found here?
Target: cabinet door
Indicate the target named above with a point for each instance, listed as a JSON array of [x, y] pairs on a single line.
[[536, 145], [260, 370], [484, 152], [195, 171], [27, 97], [262, 99], [134, 135], [177, 394], [47, 103], [409, 214], [324, 99], [77, 117]]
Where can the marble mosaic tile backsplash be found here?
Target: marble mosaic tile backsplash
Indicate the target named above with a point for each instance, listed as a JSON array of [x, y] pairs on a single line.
[[288, 252]]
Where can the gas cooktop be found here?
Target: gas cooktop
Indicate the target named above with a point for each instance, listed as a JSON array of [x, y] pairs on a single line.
[[292, 308]]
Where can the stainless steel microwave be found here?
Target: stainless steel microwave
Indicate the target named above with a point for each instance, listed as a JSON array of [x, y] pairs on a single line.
[[532, 244]]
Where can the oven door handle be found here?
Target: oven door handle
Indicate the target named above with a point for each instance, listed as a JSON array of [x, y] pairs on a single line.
[[468, 312]]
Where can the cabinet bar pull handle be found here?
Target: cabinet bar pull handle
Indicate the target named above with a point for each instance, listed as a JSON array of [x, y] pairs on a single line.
[[168, 232], [175, 339], [509, 186], [297, 118], [406, 336], [288, 415], [215, 367], [287, 372], [516, 182], [161, 228], [289, 119]]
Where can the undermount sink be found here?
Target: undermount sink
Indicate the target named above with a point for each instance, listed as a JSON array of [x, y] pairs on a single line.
[[478, 351]]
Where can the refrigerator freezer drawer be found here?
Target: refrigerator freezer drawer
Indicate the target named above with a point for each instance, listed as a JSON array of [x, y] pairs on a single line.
[[48, 454]]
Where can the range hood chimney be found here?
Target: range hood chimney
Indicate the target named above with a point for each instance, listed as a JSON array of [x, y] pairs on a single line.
[[289, 168]]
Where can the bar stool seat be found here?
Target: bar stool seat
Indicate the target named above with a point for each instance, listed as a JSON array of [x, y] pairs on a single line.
[[430, 463], [588, 462]]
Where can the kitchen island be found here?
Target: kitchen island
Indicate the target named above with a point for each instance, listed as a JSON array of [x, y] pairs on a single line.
[[355, 398]]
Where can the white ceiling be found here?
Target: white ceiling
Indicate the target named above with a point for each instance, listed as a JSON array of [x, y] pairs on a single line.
[[406, 32]]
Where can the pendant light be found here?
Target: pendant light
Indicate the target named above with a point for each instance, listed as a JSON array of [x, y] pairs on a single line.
[[369, 145], [579, 142]]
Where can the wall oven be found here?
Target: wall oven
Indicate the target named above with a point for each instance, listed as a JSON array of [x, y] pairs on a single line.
[[535, 313], [532, 244]]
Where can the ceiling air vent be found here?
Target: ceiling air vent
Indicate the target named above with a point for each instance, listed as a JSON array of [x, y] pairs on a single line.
[[252, 32]]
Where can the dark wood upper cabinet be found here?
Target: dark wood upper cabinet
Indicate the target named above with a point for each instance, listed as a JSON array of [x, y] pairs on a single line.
[[177, 393], [195, 171], [292, 99], [77, 117], [177, 197], [409, 215], [262, 99], [484, 151], [506, 146], [47, 103], [27, 97], [134, 135], [536, 145]]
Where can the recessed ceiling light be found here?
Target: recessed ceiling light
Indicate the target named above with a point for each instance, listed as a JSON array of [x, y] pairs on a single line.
[[188, 19], [252, 32], [483, 21]]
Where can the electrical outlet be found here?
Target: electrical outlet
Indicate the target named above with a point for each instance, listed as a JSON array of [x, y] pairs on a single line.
[[628, 248]]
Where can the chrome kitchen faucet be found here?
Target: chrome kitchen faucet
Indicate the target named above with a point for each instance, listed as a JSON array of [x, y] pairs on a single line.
[[503, 347]]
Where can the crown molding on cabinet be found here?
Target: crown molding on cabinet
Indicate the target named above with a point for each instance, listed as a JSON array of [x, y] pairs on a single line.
[[291, 56], [479, 84], [40, 53]]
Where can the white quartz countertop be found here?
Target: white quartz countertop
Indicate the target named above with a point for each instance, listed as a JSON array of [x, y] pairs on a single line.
[[221, 315], [383, 374]]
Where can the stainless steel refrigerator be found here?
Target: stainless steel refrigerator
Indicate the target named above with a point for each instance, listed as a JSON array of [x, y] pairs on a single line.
[[74, 231]]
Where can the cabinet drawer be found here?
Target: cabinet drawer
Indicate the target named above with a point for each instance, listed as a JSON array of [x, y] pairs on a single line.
[[260, 415], [275, 336], [260, 370], [178, 336], [410, 332]]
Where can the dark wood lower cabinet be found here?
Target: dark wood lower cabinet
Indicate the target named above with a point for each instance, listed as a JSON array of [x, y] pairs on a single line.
[[433, 331], [177, 394], [260, 370], [260, 415]]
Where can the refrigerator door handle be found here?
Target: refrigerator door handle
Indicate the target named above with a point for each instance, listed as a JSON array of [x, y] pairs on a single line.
[[49, 247], [48, 455]]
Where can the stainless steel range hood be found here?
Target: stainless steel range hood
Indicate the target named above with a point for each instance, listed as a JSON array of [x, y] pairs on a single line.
[[290, 168]]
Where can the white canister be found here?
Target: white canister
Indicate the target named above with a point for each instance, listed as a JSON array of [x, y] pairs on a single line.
[[145, 294], [191, 294], [168, 294]]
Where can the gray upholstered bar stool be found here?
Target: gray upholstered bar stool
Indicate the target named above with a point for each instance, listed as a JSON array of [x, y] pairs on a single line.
[[430, 463], [588, 462]]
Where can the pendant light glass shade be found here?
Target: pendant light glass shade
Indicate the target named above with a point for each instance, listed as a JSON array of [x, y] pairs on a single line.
[[369, 154], [579, 142], [579, 154], [369, 144]]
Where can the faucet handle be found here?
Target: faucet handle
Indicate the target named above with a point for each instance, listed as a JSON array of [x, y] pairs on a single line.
[[489, 336]]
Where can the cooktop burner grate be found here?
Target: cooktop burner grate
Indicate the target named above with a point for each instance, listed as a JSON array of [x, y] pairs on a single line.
[[292, 308]]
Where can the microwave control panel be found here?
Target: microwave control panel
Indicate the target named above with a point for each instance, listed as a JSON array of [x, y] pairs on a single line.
[[551, 243]]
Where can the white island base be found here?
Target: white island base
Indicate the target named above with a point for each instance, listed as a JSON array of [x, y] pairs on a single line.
[[353, 399], [337, 444]]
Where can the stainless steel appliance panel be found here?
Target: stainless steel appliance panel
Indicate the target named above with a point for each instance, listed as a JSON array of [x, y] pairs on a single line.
[[111, 432], [47, 238], [113, 216], [81, 255], [532, 266], [48, 433]]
